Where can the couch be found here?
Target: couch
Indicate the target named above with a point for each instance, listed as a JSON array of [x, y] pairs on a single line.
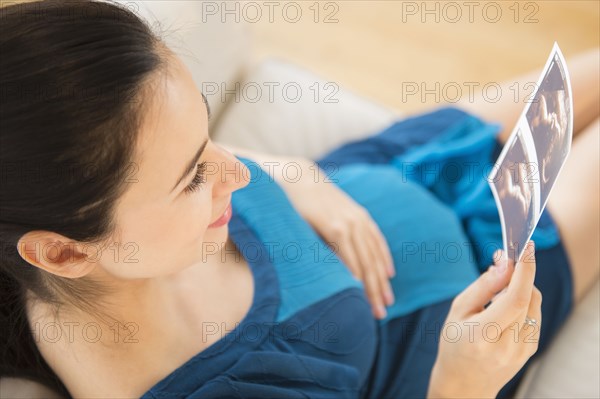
[[280, 108]]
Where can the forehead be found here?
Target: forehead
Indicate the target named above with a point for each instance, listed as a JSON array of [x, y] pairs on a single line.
[[172, 103], [174, 124]]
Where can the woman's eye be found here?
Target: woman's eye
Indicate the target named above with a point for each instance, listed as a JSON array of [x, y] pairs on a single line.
[[199, 179]]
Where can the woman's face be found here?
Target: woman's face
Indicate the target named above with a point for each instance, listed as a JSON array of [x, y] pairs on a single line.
[[164, 225]]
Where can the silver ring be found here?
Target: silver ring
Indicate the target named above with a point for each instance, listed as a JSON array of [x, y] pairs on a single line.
[[531, 322]]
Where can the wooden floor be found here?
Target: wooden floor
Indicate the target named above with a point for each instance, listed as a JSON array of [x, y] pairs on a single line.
[[387, 50], [396, 52]]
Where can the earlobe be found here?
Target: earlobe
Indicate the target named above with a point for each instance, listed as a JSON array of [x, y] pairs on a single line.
[[54, 254]]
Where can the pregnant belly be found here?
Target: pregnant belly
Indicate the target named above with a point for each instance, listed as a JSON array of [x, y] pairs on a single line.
[[434, 258]]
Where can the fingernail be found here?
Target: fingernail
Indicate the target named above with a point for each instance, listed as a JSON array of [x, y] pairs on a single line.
[[531, 248], [496, 255], [381, 311], [391, 270], [499, 263], [500, 266], [389, 296]]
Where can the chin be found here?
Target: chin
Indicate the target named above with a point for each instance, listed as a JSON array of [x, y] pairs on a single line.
[[212, 244], [217, 235]]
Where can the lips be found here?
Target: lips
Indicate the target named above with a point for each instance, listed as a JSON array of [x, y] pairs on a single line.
[[223, 219]]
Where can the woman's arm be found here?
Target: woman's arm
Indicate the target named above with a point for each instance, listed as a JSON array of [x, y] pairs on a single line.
[[346, 226]]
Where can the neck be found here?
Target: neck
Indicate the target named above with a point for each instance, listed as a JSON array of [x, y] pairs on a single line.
[[145, 324], [141, 302]]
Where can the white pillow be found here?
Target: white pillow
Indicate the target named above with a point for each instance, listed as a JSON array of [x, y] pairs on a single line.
[[215, 52], [283, 109], [570, 368]]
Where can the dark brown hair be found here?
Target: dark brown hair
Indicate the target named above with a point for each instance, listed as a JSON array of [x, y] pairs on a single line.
[[72, 74]]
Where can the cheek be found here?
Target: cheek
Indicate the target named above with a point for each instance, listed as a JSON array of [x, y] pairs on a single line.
[[154, 243], [193, 215]]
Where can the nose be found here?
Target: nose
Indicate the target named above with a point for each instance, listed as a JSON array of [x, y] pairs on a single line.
[[232, 174]]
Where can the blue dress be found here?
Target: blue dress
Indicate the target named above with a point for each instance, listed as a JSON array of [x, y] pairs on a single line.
[[310, 332]]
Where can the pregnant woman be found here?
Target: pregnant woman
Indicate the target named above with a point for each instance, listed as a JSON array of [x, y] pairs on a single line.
[[142, 259]]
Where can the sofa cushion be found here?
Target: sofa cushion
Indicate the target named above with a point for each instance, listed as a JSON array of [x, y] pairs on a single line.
[[198, 37], [570, 368], [286, 110]]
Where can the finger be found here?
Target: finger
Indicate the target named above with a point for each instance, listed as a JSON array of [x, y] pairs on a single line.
[[347, 255], [497, 259], [530, 334], [510, 307], [498, 295], [524, 276], [374, 294], [371, 279], [506, 341], [472, 300], [382, 272], [520, 340], [383, 248], [371, 287], [497, 256]]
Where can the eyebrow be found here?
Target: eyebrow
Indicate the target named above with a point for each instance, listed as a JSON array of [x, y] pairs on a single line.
[[192, 163]]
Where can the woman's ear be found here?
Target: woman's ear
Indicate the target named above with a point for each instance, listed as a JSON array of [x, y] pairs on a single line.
[[55, 254]]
